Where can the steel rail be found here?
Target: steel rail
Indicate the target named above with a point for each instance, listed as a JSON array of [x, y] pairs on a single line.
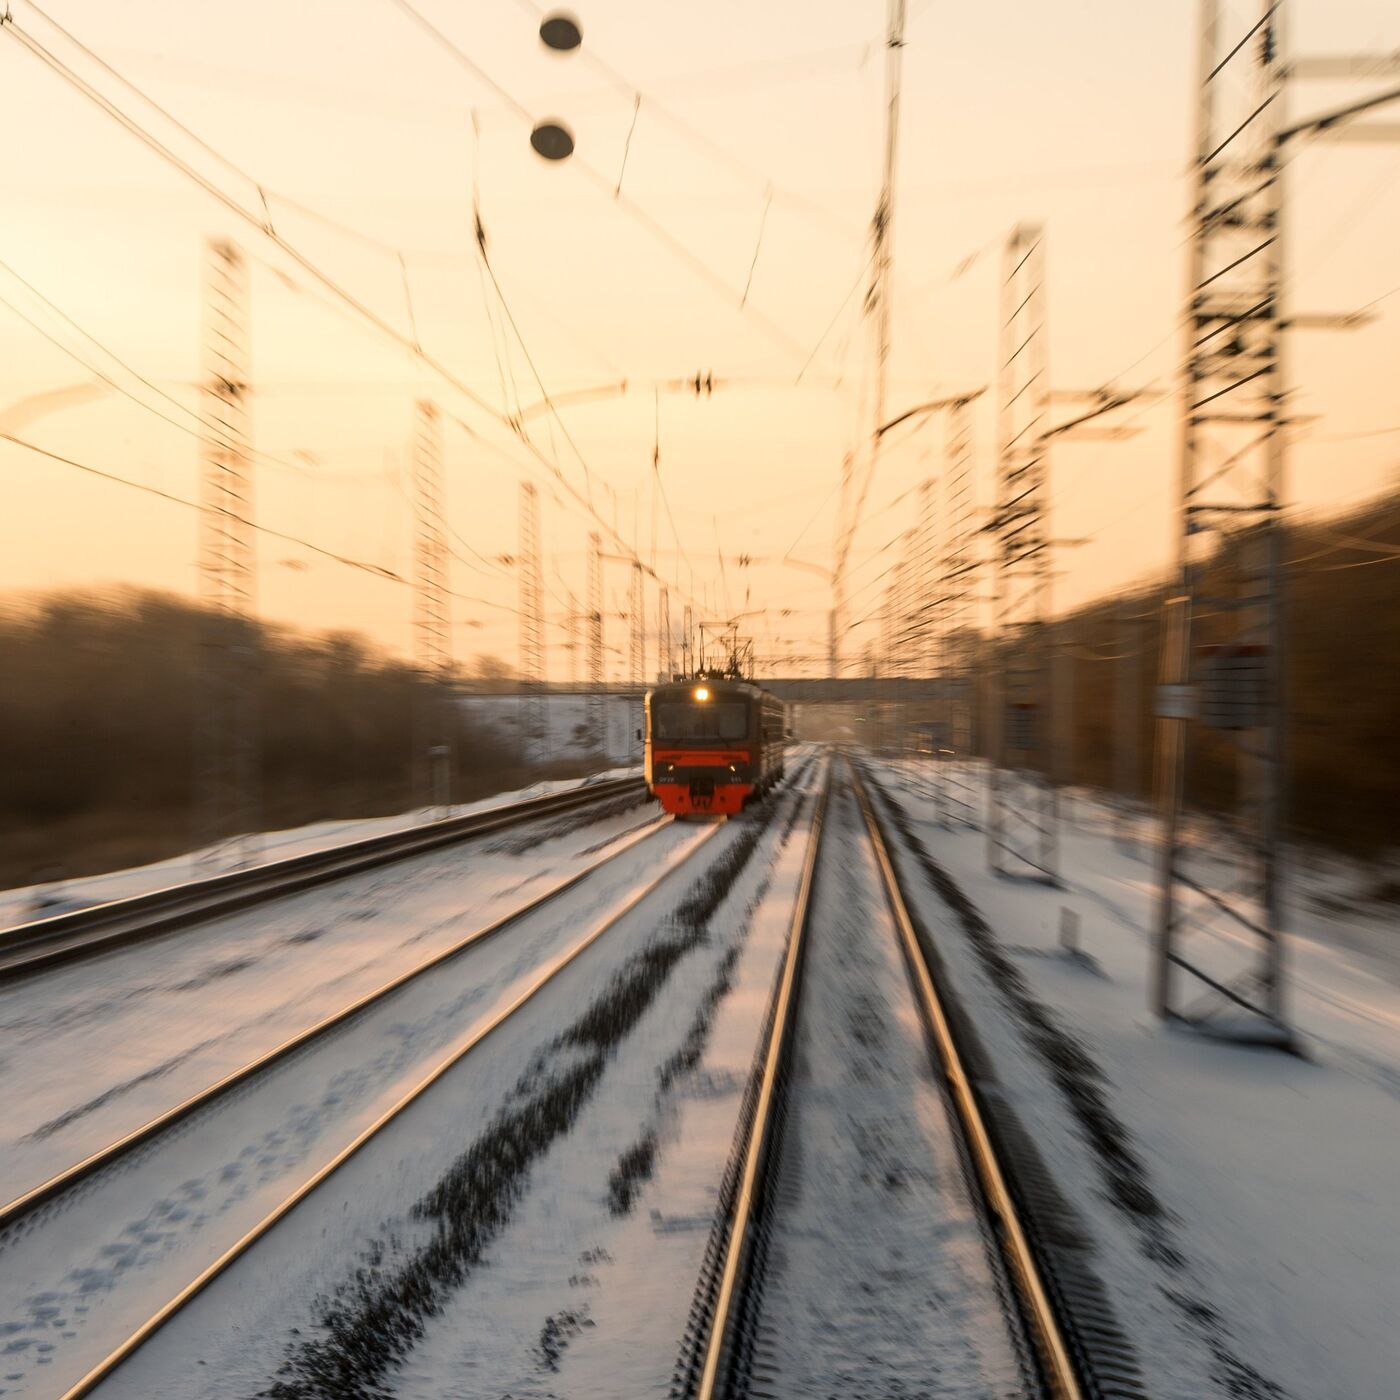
[[1057, 1369], [56, 1185], [40, 944], [548, 972], [760, 1136]]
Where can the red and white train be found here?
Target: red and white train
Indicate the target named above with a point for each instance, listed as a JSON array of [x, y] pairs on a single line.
[[713, 744]]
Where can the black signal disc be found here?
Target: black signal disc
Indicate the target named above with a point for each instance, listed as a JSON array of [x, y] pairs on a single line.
[[561, 32], [553, 140]]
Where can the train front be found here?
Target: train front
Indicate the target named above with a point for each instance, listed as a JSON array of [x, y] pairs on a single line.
[[701, 746]]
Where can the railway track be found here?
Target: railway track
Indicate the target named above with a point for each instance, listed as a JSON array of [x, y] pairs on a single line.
[[730, 1350], [16, 1210], [520, 997], [41, 944], [966, 1252]]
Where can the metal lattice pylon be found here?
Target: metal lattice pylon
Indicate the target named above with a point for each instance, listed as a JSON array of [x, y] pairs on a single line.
[[573, 629], [431, 618], [531, 623], [637, 628], [596, 717], [1225, 688], [884, 660], [666, 660], [1127, 763], [227, 750], [910, 627], [1021, 809], [957, 579], [959, 575], [926, 601]]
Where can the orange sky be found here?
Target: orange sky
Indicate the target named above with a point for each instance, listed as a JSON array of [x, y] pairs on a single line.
[[1074, 114]]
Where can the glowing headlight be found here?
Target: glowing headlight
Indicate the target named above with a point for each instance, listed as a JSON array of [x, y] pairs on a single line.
[[701, 693]]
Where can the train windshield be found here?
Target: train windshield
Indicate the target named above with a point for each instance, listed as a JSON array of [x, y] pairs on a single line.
[[688, 721]]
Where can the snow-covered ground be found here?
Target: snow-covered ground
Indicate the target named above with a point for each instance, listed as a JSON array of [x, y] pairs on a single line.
[[1247, 1215], [587, 1293], [93, 1050], [21, 904], [535, 1225], [79, 1276], [503, 1237]]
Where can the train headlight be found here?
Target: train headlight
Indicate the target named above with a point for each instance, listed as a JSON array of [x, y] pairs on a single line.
[[701, 693]]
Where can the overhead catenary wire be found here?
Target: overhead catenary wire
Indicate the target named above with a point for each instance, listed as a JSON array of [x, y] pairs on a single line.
[[204, 425], [301, 259], [703, 270], [840, 311], [1358, 564], [757, 247], [496, 341], [627, 144], [267, 196], [500, 347], [698, 138], [234, 206], [534, 370], [201, 430], [402, 490], [362, 565], [106, 378]]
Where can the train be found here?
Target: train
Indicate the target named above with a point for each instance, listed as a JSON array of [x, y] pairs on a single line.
[[714, 744]]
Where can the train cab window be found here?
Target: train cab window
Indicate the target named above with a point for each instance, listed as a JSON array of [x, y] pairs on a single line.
[[722, 719]]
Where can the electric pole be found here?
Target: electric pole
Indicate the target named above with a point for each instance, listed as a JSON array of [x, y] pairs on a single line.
[[957, 586], [666, 659], [1127, 780], [1231, 495], [431, 619], [228, 750], [574, 629], [636, 617], [878, 300], [531, 624], [1021, 808], [596, 716]]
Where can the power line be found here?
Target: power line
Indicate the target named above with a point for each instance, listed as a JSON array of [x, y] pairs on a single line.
[[1342, 541], [138, 92], [697, 137], [758, 245], [1359, 564], [100, 374], [204, 426], [197, 433], [397, 482], [659, 231], [530, 360], [377, 570], [840, 310], [264, 225]]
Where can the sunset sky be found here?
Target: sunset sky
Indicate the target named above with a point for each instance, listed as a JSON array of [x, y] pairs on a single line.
[[365, 138]]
